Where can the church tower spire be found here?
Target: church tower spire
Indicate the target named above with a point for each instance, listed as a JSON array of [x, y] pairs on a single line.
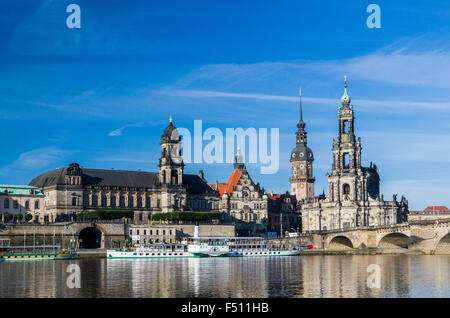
[[302, 180]]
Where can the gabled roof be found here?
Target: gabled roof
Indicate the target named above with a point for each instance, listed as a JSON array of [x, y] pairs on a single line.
[[117, 178], [99, 177], [195, 185], [439, 208], [232, 182], [279, 198]]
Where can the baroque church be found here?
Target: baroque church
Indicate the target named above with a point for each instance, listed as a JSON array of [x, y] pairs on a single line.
[[354, 197], [70, 190]]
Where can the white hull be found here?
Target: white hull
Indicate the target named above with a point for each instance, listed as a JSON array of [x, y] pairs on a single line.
[[152, 254]]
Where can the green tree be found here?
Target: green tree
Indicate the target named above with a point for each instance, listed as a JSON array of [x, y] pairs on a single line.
[[19, 217], [8, 217], [28, 217]]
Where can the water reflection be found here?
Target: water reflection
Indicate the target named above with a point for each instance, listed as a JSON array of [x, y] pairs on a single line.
[[305, 276]]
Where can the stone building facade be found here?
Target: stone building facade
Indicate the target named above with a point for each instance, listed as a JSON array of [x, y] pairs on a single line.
[[243, 201], [284, 214], [70, 190], [354, 197], [17, 199]]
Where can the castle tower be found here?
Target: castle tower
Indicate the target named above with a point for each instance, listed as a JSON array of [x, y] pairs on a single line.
[[346, 171], [171, 163], [302, 180]]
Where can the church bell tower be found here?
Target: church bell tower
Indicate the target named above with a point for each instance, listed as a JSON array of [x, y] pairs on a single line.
[[302, 180]]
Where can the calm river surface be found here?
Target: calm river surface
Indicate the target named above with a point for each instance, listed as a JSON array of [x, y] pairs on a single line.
[[304, 276]]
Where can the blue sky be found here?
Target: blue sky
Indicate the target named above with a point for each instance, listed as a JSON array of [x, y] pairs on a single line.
[[101, 95]]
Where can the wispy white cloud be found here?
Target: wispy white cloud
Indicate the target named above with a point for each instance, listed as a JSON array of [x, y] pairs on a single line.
[[118, 131], [364, 104], [35, 159]]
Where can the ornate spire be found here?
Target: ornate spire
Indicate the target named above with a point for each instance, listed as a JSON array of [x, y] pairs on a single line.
[[238, 161], [301, 133], [301, 124], [170, 118], [345, 99]]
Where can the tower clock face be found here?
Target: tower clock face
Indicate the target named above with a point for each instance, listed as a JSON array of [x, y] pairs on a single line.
[[302, 185]]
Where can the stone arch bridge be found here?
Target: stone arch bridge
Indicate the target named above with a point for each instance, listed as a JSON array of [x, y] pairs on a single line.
[[96, 234], [425, 236]]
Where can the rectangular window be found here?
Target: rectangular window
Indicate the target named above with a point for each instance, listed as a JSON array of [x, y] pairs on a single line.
[[145, 232], [137, 232], [16, 204], [36, 204]]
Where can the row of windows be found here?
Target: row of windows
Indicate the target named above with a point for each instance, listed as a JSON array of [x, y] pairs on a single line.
[[256, 205], [16, 204], [151, 232], [113, 201], [199, 204]]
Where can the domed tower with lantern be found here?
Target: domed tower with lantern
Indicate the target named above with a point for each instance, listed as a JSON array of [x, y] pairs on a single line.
[[302, 180], [171, 166]]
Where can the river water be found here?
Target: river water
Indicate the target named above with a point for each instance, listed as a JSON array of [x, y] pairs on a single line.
[[304, 276]]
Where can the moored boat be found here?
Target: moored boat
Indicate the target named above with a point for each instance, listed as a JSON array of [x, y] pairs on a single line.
[[209, 247], [33, 253]]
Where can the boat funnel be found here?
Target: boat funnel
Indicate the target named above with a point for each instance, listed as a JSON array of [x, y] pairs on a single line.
[[196, 231]]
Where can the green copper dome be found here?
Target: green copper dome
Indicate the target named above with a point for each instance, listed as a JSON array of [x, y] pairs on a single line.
[[345, 99]]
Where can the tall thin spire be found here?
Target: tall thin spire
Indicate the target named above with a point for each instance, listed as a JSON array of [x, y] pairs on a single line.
[[301, 124], [301, 116], [345, 99]]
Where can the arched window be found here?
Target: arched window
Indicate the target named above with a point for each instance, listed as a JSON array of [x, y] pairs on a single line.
[[104, 200], [148, 202], [113, 200], [6, 204], [16, 204], [130, 201], [345, 126], [346, 189], [94, 200], [174, 177], [346, 161]]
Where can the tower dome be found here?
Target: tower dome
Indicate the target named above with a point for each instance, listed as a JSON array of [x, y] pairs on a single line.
[[345, 99], [301, 150], [170, 133]]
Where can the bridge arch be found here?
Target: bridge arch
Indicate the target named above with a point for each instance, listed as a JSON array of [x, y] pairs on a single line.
[[340, 242], [443, 245], [90, 237], [393, 240]]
